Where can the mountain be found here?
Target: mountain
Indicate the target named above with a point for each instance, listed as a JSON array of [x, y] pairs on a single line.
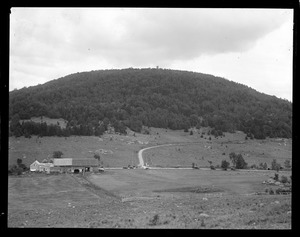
[[90, 101]]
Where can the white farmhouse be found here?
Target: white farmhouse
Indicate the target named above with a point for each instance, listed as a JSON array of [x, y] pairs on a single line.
[[42, 167]]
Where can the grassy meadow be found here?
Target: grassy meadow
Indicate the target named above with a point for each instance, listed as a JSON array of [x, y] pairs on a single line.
[[120, 150]]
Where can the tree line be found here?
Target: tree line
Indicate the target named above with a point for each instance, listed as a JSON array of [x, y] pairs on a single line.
[[151, 97]]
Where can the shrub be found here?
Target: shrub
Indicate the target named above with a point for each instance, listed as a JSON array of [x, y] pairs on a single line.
[[284, 179], [191, 132], [57, 154], [154, 220], [271, 192], [97, 156], [238, 161], [275, 165], [276, 177], [224, 164], [287, 164], [15, 170], [23, 167]]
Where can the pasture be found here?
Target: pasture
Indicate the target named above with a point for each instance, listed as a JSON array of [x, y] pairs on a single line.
[[119, 150], [147, 199], [154, 198]]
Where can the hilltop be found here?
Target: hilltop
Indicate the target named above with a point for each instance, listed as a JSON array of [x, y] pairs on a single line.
[[93, 102]]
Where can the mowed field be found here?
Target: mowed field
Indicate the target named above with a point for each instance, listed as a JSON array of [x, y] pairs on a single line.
[[114, 150], [161, 198], [140, 198], [119, 150]]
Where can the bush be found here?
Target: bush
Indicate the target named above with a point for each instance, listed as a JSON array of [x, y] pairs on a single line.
[[271, 192], [287, 164], [57, 154], [15, 170], [224, 164], [276, 177], [238, 161], [155, 220], [97, 156], [284, 179], [275, 166], [191, 132]]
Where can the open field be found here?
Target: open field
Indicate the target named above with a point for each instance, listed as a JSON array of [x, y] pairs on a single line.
[[118, 151], [147, 199], [114, 150], [200, 153], [154, 198]]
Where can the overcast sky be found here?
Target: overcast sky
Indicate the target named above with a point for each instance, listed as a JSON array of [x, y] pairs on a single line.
[[250, 46]]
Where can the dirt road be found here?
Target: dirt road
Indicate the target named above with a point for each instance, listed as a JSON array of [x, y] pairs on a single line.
[[140, 153]]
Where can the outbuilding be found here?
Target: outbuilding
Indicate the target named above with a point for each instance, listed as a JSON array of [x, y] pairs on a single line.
[[76, 165]]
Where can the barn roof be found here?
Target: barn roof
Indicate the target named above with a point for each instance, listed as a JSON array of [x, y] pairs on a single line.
[[85, 162], [75, 162]]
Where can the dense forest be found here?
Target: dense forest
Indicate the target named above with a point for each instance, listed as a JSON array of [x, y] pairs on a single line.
[[92, 101]]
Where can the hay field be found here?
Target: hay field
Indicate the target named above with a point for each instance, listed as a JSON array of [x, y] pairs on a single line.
[[119, 150], [187, 199]]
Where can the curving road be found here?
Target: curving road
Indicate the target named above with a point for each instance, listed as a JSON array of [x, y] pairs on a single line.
[[140, 154], [142, 163]]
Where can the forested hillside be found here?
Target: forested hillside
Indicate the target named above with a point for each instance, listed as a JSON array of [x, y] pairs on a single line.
[[162, 98]]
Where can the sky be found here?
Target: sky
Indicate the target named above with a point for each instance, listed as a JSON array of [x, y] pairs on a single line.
[[253, 47]]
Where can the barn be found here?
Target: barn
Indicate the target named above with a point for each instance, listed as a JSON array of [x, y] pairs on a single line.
[[76, 164]]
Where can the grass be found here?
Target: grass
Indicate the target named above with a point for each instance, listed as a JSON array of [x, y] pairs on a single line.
[[200, 151], [122, 150], [46, 190], [201, 189], [137, 198], [187, 199]]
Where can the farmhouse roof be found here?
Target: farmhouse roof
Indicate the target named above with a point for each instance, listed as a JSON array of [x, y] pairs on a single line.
[[36, 162]]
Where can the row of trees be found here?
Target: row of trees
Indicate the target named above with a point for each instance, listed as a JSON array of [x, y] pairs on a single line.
[[238, 162], [29, 128], [155, 98]]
